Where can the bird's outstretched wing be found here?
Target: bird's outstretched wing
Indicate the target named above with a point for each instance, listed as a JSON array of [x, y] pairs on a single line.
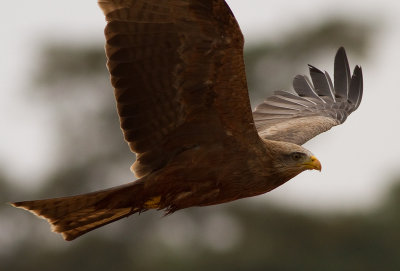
[[178, 72], [315, 107]]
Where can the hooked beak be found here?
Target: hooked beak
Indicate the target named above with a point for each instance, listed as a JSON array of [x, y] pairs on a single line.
[[313, 163]]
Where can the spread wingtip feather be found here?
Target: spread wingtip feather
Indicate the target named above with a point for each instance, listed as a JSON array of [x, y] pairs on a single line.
[[320, 102]]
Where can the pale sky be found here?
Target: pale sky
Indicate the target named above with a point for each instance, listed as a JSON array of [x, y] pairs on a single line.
[[356, 167]]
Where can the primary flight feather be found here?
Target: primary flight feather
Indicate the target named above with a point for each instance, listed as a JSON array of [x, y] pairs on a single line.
[[179, 78]]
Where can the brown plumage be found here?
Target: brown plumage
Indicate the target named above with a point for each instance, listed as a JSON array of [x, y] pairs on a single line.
[[178, 72]]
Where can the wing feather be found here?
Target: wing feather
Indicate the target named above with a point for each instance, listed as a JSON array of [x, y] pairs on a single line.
[[314, 108], [304, 88], [342, 74], [356, 87], [178, 72], [321, 82]]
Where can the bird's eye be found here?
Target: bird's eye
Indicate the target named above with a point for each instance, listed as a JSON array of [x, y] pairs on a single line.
[[296, 156]]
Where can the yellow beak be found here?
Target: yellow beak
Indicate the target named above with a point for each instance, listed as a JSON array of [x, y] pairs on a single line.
[[314, 163]]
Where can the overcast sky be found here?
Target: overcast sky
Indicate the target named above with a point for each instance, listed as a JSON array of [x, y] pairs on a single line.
[[359, 158]]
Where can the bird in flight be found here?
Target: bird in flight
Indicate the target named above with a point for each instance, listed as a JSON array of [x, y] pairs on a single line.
[[180, 85]]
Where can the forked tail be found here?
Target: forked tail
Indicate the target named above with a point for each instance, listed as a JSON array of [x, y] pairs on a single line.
[[76, 215]]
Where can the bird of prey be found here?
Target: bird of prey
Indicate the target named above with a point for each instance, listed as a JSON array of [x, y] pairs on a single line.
[[179, 77]]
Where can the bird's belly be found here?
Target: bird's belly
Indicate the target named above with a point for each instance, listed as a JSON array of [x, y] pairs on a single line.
[[205, 176]]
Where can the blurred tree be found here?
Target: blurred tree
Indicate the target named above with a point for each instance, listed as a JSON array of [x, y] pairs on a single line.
[[238, 236]]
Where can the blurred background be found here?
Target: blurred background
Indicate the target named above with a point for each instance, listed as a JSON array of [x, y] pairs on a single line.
[[60, 136]]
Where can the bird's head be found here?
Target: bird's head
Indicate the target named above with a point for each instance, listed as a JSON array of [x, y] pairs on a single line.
[[290, 159]]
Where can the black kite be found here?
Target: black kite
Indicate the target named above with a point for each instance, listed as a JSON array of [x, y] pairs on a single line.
[[179, 77]]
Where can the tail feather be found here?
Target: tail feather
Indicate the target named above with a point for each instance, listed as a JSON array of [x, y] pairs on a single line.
[[76, 215], [81, 224]]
